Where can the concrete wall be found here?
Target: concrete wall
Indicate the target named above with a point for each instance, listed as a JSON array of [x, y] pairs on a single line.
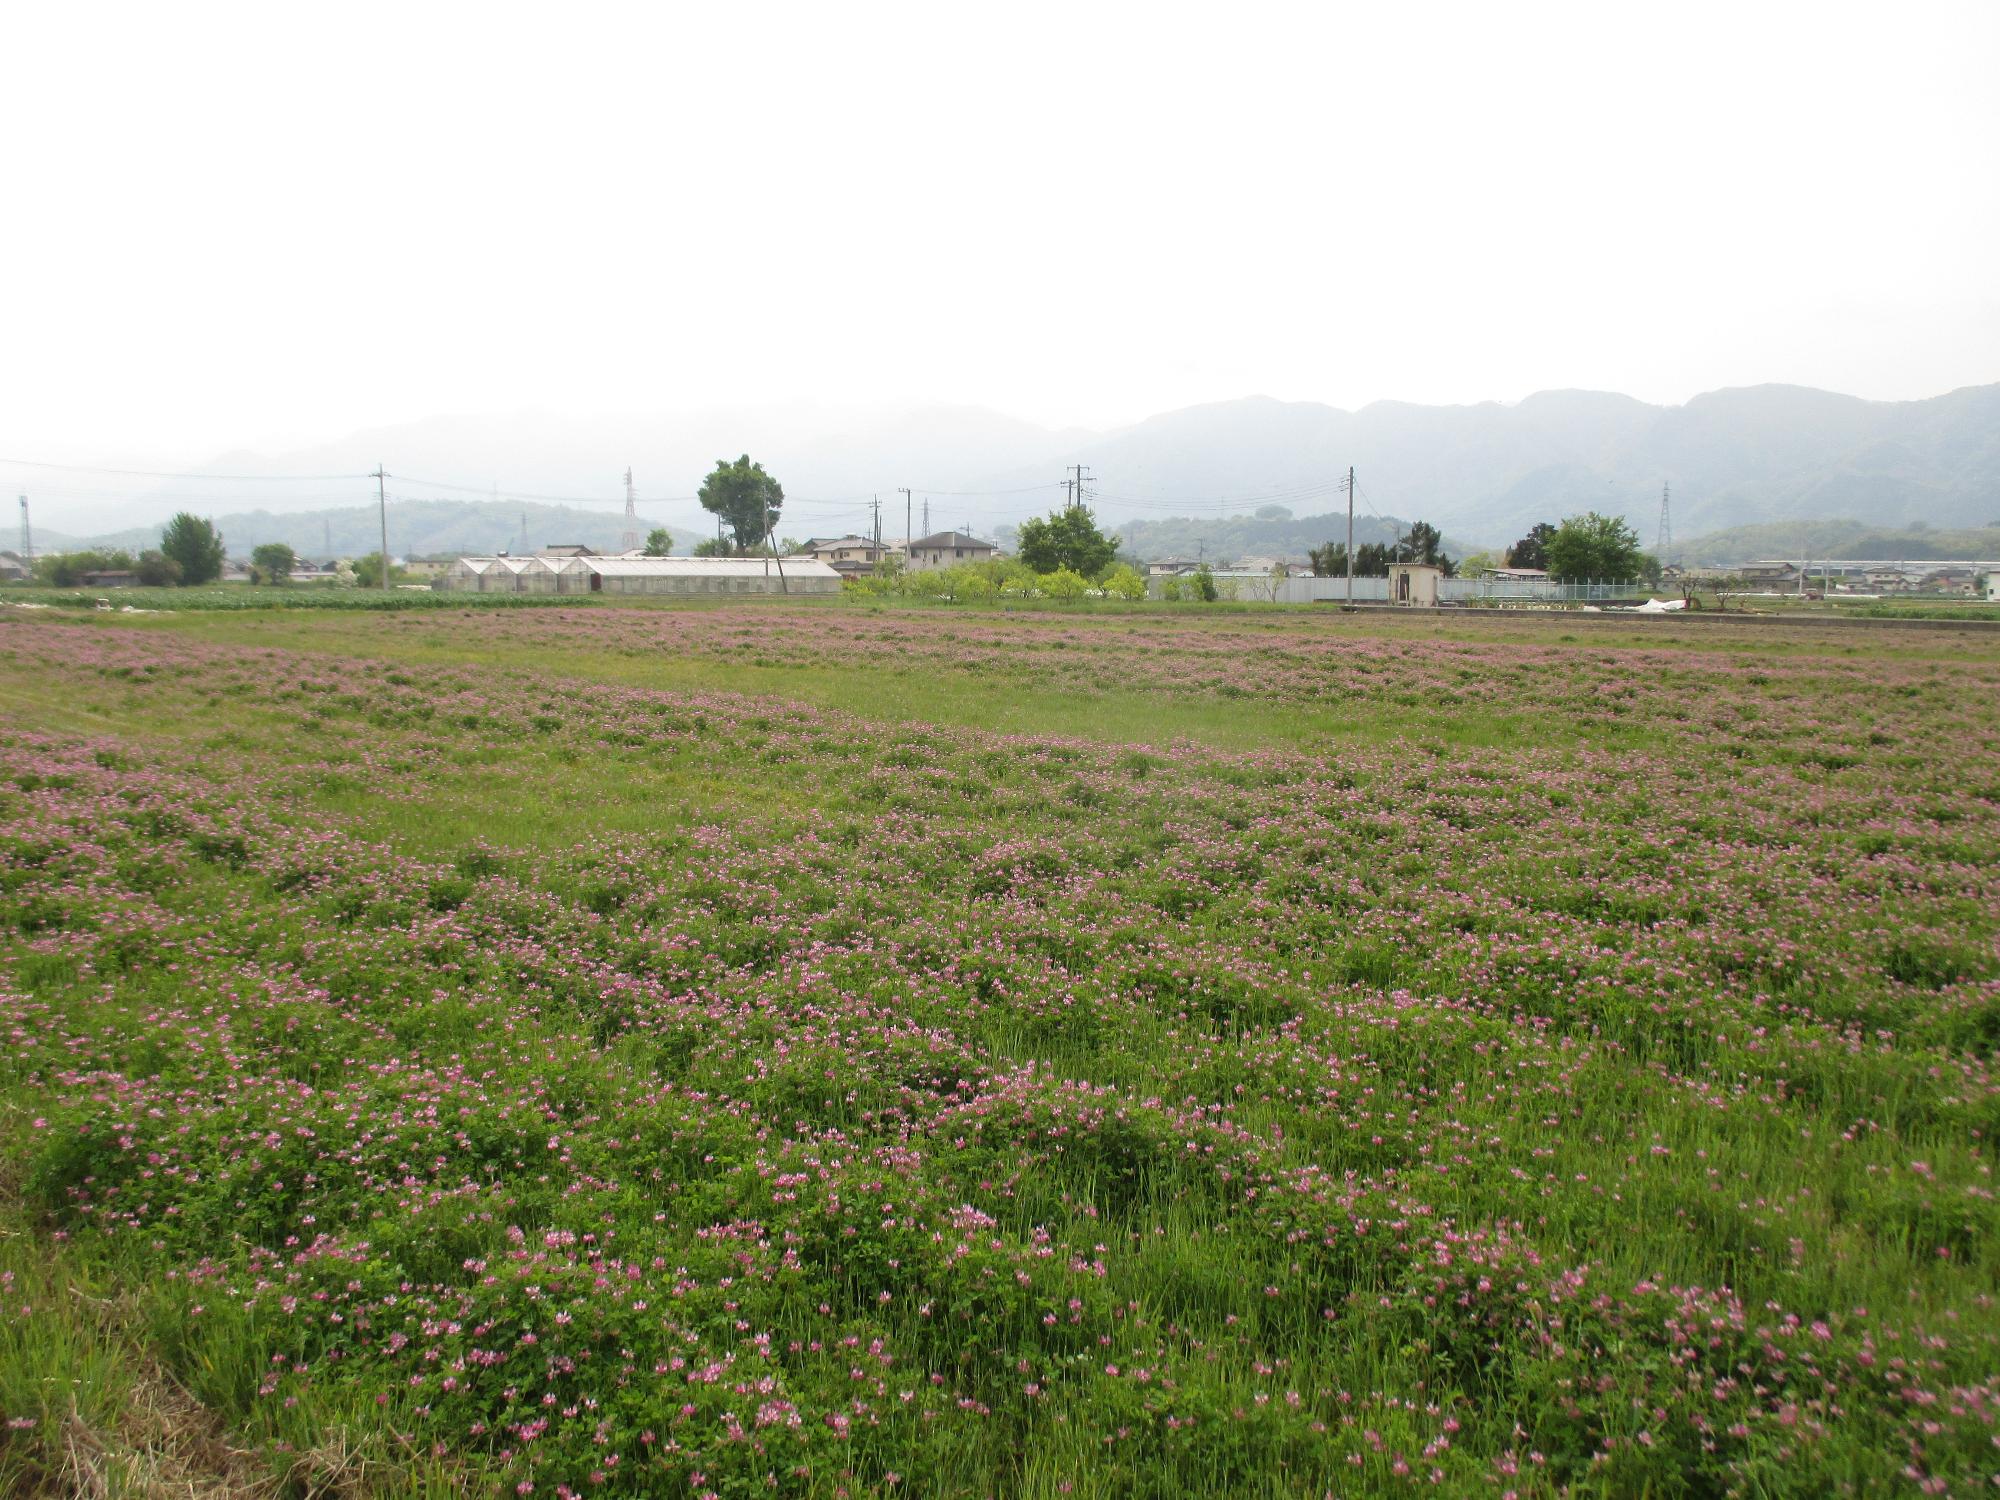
[[671, 584], [1262, 588], [570, 576]]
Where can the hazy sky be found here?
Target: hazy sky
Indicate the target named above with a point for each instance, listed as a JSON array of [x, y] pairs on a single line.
[[259, 224]]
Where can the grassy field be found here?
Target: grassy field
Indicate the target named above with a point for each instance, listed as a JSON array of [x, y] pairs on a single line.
[[832, 1051]]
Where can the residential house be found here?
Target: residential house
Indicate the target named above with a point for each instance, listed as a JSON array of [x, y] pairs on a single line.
[[1948, 580], [947, 549], [1769, 571], [849, 556]]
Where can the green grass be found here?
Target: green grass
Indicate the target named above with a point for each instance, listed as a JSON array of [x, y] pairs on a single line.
[[1389, 1037]]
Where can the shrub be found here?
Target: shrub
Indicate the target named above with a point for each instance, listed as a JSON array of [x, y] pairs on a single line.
[[1124, 582], [1063, 584]]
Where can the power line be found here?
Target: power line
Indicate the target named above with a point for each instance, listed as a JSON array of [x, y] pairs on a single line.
[[29, 463], [1026, 489], [489, 493], [1082, 474]]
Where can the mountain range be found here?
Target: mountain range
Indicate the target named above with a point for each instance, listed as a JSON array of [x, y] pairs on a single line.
[[1483, 473], [417, 528]]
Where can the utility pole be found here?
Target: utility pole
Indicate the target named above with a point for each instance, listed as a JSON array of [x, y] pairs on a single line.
[[1350, 533], [27, 536], [771, 553], [908, 535], [1081, 476], [875, 505], [381, 478]]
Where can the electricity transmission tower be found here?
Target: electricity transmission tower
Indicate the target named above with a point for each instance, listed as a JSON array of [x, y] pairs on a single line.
[[1664, 540], [27, 536], [630, 542]]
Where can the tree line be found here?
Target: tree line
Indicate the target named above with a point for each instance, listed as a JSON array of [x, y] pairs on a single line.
[[1424, 543], [190, 554], [1589, 547]]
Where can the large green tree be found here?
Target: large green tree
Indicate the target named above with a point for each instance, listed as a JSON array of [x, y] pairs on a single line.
[[747, 499], [195, 545], [156, 570], [659, 542], [368, 571], [273, 561], [1594, 547], [1067, 538], [1532, 551], [1425, 544]]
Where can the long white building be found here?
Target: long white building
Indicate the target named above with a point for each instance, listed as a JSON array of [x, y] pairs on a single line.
[[546, 574]]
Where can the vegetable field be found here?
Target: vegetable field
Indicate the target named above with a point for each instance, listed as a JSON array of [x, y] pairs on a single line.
[[841, 1052]]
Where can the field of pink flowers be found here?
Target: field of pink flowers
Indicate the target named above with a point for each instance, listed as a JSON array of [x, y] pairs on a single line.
[[555, 1084]]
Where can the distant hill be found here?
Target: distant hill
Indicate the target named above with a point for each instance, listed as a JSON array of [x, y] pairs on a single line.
[[1486, 473], [416, 528], [1844, 539], [1482, 474]]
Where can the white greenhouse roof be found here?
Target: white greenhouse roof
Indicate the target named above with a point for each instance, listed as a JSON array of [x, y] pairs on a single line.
[[707, 567], [664, 567]]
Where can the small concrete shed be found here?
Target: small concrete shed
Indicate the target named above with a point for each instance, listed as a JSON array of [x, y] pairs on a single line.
[[1414, 584]]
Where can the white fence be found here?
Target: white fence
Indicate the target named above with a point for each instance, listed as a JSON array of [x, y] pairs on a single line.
[[1486, 593]]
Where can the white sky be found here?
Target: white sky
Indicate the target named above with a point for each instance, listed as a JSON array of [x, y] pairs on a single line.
[[252, 225]]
